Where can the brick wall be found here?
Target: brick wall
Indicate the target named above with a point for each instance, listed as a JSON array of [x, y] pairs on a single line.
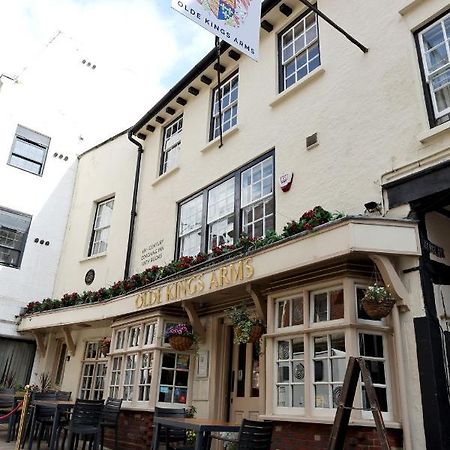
[[135, 432], [315, 436]]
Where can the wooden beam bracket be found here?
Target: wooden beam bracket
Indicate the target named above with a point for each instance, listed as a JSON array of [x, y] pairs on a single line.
[[391, 278], [41, 343], [71, 347], [197, 326], [259, 301]]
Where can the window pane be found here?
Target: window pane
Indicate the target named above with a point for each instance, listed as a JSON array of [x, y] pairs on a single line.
[[298, 395], [336, 304], [297, 311], [320, 303], [283, 314], [191, 215], [371, 345], [29, 150], [221, 200], [322, 396]]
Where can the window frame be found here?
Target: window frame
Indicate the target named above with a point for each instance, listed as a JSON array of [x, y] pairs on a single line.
[[164, 151], [24, 239], [98, 204], [351, 328], [154, 349], [238, 219], [30, 141], [281, 65], [96, 362], [433, 119], [228, 79]]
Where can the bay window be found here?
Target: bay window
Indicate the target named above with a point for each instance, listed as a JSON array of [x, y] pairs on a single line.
[[311, 336], [144, 371], [241, 203]]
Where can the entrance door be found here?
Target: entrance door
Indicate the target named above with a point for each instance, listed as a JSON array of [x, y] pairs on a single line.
[[244, 386]]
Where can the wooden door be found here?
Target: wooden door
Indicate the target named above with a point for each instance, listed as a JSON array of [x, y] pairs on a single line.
[[244, 386]]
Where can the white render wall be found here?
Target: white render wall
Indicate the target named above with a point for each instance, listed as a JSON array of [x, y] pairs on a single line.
[[59, 96]]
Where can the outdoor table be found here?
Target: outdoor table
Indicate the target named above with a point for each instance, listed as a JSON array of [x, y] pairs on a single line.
[[203, 428], [60, 406]]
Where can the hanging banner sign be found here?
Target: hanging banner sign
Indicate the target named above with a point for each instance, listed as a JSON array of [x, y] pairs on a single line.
[[235, 21]]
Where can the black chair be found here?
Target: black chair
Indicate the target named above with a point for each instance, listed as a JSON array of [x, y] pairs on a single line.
[[6, 405], [84, 422], [253, 435], [171, 435], [110, 419], [6, 401], [42, 415], [63, 395]]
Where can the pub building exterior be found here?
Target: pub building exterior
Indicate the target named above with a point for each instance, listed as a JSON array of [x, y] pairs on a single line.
[[346, 134]]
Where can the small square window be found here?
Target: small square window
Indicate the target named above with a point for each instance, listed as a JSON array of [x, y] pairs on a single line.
[[29, 150]]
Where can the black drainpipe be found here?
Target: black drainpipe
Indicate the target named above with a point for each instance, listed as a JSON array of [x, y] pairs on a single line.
[[134, 202]]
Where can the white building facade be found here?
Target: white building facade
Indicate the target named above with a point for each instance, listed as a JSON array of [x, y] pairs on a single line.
[[361, 133]]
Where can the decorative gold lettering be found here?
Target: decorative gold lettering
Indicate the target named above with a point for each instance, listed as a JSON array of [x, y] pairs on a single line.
[[223, 280], [237, 271], [201, 284], [249, 270], [171, 292], [139, 301], [213, 283]]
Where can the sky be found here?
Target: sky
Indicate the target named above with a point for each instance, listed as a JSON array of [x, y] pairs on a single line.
[[153, 43]]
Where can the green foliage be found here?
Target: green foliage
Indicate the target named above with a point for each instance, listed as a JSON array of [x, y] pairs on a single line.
[[242, 322], [308, 221]]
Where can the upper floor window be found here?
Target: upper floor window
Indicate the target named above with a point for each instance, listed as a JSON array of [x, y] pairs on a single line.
[[229, 106], [13, 235], [299, 52], [102, 224], [435, 59], [171, 145], [242, 203], [29, 150]]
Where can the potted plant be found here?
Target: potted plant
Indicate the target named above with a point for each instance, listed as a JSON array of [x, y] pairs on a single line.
[[181, 337], [247, 328], [377, 301]]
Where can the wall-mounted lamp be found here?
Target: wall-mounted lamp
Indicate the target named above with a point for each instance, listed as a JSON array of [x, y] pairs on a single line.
[[372, 207]]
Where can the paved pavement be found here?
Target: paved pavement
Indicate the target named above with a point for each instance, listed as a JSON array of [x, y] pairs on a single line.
[[3, 444]]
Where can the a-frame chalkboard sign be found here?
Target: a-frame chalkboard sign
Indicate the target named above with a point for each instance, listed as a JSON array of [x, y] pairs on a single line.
[[355, 367]]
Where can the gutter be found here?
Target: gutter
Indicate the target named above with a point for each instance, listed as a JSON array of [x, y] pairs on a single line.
[[200, 67], [140, 150]]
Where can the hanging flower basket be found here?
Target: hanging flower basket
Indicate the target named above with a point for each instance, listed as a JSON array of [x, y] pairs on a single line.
[[256, 332], [104, 345], [377, 302], [181, 337]]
